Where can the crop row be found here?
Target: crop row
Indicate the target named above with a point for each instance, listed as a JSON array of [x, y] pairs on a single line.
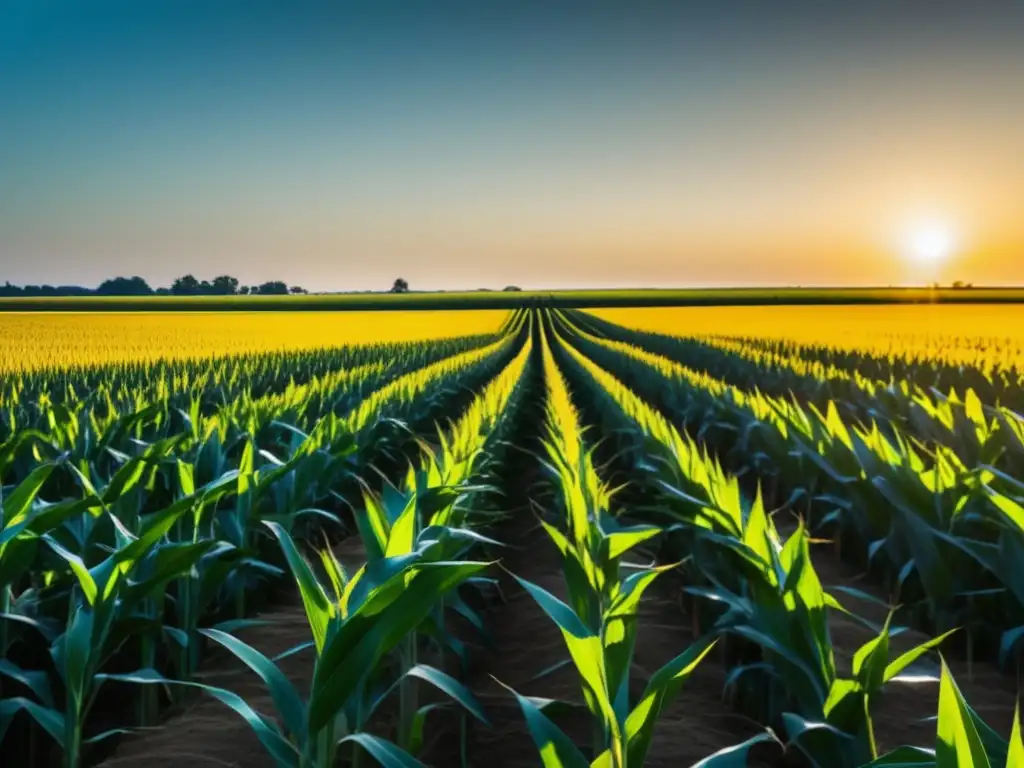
[[159, 522], [978, 432], [764, 595], [132, 544], [940, 533]]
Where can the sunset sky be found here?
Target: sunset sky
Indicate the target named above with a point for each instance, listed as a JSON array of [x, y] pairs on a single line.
[[546, 144]]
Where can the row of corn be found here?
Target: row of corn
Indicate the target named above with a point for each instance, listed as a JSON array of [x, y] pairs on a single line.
[[944, 535], [139, 536], [762, 591], [134, 539]]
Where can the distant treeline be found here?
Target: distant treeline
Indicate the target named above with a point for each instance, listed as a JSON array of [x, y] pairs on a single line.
[[189, 285]]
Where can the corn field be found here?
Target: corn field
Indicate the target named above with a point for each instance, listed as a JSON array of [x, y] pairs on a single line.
[[551, 537]]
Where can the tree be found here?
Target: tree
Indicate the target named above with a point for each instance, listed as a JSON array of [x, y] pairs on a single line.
[[244, 290], [400, 286], [186, 286], [224, 285], [124, 286], [297, 289], [274, 288], [513, 288]]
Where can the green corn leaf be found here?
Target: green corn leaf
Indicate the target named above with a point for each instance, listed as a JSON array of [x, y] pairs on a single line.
[[11, 532], [736, 756], [905, 757], [557, 611], [448, 684], [580, 576], [78, 568], [283, 753], [335, 572], [283, 693], [178, 636], [920, 537], [48, 518], [958, 744], [418, 723], [107, 735], [378, 581], [556, 749], [860, 595], [1015, 758], [35, 680], [662, 688], [870, 660], [839, 695], [819, 741], [1013, 511], [906, 659], [169, 561], [1008, 642], [403, 531], [295, 649], [319, 610], [16, 556], [17, 504], [74, 652], [224, 485], [156, 528], [770, 643], [584, 646], [186, 478], [384, 752], [126, 478], [51, 720], [633, 586], [373, 630], [621, 541], [373, 526]]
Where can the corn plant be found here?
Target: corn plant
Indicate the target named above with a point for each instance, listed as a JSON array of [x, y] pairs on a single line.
[[428, 508], [771, 596], [962, 738], [103, 614], [355, 623], [912, 511], [599, 623], [780, 607]]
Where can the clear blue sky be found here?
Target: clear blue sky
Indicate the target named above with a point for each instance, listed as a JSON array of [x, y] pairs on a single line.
[[484, 143]]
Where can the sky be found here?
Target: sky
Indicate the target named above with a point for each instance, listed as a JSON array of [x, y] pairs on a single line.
[[339, 145]]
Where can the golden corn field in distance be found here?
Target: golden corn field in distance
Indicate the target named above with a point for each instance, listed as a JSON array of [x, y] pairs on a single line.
[[604, 537], [31, 341], [986, 335]]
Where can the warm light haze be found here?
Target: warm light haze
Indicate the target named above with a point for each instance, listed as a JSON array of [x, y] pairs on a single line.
[[503, 383], [463, 145]]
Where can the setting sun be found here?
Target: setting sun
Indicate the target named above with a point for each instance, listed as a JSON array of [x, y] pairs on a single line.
[[931, 243]]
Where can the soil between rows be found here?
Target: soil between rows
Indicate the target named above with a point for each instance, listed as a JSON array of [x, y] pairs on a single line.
[[526, 642]]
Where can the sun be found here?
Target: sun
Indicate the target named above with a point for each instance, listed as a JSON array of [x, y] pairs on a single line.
[[930, 243]]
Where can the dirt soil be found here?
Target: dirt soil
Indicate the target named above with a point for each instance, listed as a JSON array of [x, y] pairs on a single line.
[[526, 642]]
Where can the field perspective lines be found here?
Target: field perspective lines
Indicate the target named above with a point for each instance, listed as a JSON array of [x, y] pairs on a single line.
[[549, 536]]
